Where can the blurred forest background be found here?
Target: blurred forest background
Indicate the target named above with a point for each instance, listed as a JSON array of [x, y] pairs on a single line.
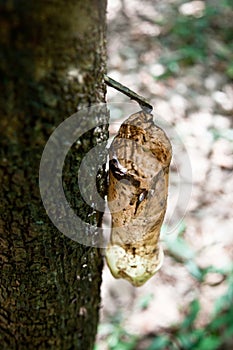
[[179, 55]]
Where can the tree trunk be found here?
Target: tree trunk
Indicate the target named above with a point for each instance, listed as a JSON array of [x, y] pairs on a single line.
[[52, 61]]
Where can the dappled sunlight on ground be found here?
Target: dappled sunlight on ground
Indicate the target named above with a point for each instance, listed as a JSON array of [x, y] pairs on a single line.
[[193, 93]]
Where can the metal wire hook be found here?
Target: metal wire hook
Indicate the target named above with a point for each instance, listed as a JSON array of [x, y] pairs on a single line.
[[144, 104]]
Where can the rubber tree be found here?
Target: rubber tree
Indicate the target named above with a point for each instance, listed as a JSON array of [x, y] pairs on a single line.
[[52, 62]]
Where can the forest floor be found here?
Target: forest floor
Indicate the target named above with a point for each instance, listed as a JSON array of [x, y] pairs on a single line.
[[177, 56]]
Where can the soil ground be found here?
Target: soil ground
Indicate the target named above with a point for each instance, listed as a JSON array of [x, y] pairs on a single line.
[[193, 100]]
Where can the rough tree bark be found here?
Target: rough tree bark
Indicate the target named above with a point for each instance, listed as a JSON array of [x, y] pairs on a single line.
[[49, 284]]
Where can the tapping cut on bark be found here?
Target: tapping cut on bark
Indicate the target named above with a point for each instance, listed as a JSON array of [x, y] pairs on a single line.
[[140, 157]]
